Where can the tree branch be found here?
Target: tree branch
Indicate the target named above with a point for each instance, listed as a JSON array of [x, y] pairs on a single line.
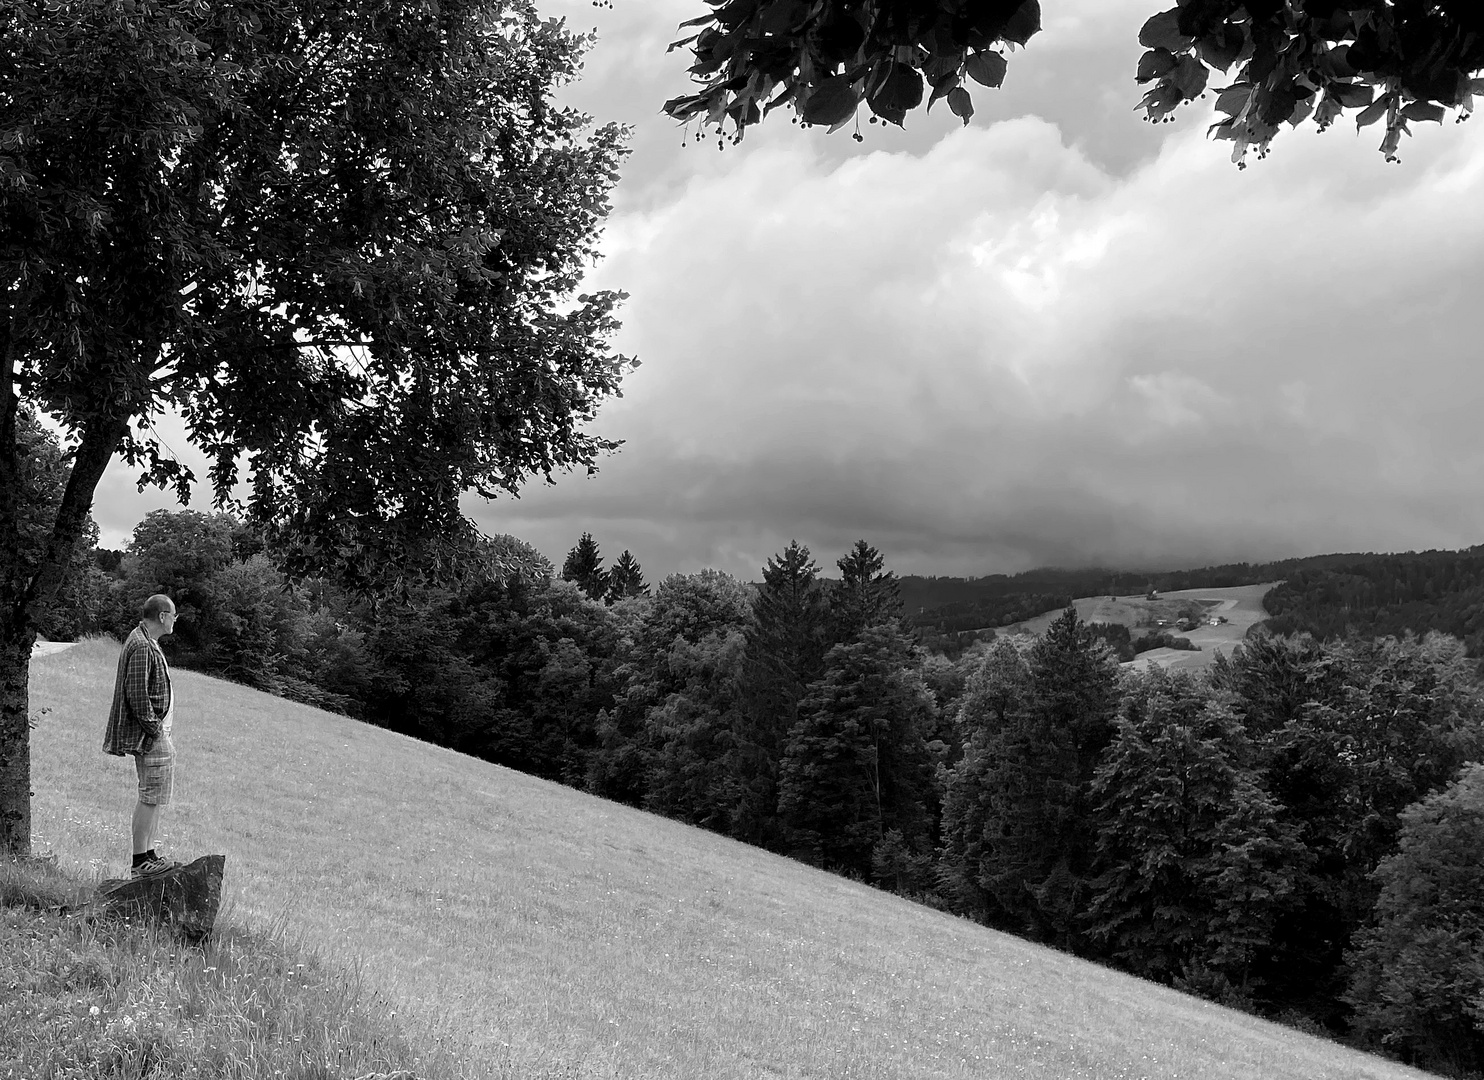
[[100, 438]]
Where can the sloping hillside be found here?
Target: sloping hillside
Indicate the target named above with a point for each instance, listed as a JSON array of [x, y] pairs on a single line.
[[547, 933], [1240, 607]]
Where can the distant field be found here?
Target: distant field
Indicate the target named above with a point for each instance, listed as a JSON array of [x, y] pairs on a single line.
[[544, 933], [1240, 606]]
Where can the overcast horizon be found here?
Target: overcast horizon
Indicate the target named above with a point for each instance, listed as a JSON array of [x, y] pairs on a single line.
[[1059, 336]]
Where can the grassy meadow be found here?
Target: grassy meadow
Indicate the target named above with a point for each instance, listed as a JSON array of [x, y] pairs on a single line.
[[1240, 605], [529, 930]]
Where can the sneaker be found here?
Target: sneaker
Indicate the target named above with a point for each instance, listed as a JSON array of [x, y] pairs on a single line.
[[153, 868]]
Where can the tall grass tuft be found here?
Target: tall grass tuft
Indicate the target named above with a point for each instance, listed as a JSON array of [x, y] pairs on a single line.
[[84, 1000]]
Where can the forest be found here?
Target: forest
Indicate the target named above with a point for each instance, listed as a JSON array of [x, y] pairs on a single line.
[[1378, 595], [1296, 832]]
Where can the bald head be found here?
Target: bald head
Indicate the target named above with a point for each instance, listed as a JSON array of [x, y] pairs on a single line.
[[159, 616]]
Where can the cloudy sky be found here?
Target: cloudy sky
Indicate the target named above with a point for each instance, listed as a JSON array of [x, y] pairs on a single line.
[[1058, 336]]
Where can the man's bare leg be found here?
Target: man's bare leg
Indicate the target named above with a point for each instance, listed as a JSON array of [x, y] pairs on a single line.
[[146, 819]]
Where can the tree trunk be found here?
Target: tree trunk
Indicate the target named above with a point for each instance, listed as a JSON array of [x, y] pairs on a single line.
[[23, 594], [15, 741], [15, 636]]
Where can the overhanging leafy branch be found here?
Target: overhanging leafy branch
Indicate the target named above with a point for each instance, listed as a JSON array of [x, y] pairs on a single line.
[[1289, 61]]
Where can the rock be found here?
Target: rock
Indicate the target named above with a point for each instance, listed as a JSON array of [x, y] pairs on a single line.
[[185, 899]]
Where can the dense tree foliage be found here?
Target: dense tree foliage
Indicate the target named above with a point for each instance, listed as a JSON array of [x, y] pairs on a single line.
[[856, 767], [1385, 595], [1040, 846], [1348, 735], [667, 736], [997, 689], [1417, 975], [1285, 61], [690, 646], [340, 238], [1194, 862]]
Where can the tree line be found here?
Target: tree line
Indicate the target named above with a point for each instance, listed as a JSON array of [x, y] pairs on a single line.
[[1385, 594], [1288, 833]]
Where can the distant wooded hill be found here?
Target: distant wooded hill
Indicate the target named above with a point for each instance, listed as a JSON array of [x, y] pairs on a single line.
[[1381, 595], [1323, 594]]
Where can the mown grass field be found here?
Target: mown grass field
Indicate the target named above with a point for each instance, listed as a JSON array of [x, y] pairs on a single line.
[[538, 932]]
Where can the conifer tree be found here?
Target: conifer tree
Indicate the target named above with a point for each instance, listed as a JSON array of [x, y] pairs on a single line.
[[997, 690], [785, 653], [856, 773], [1038, 847], [867, 594], [584, 567], [626, 579]]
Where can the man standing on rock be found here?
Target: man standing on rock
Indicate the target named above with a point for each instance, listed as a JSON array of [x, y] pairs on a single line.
[[139, 723]]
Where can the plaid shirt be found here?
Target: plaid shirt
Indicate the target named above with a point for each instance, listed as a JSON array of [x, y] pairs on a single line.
[[141, 695]]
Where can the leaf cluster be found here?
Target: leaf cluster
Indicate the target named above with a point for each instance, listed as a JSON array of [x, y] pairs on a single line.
[[1397, 61], [826, 57], [1401, 61]]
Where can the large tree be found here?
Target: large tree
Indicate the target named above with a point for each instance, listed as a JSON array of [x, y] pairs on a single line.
[[786, 646], [1417, 975], [1038, 841], [584, 568], [339, 237], [996, 693], [867, 594], [1283, 61], [1193, 862], [626, 579], [856, 776], [665, 742]]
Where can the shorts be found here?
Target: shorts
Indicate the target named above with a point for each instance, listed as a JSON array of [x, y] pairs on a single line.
[[156, 769]]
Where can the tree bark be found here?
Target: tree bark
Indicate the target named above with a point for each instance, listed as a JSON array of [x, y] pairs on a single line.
[[15, 739], [15, 643]]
